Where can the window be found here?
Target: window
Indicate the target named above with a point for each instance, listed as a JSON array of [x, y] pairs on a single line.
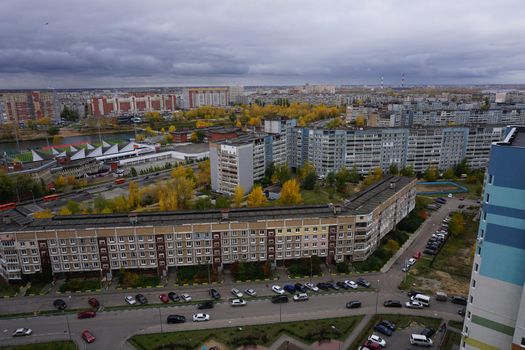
[[468, 315], [131, 239], [111, 239], [484, 215], [476, 267], [473, 283], [482, 233], [479, 250], [471, 299], [491, 179], [487, 196]]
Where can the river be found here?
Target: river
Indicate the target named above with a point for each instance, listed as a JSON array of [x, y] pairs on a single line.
[[11, 148]]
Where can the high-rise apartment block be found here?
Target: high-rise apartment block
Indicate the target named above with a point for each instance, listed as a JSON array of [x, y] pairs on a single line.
[[495, 314], [206, 96], [19, 107]]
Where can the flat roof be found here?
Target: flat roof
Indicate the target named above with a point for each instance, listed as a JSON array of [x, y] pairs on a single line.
[[515, 137], [362, 202]]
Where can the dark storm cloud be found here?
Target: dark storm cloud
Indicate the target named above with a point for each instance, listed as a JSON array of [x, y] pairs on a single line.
[[61, 43]]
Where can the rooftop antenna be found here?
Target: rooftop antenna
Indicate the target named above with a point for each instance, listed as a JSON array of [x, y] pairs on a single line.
[[403, 80], [382, 81]]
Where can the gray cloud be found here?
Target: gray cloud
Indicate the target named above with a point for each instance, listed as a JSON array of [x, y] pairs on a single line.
[[163, 42]]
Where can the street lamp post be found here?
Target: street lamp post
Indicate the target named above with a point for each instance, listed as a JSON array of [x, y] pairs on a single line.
[[209, 275], [377, 295], [160, 321], [339, 332], [68, 329], [311, 268], [280, 312]]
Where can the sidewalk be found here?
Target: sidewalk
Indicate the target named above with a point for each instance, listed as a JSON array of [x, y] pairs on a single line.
[[355, 333]]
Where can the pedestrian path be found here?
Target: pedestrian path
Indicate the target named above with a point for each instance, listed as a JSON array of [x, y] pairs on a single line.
[[357, 330]]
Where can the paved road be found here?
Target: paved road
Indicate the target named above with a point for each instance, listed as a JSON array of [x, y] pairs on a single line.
[[113, 327]]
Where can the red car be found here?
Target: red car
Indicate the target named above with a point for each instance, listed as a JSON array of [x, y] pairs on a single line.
[[417, 255], [93, 302], [86, 314], [164, 298], [371, 345], [88, 337]]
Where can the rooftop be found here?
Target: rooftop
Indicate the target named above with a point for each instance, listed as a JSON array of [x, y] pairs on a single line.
[[515, 138]]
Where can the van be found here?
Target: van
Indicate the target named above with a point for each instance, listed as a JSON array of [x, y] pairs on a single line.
[[441, 296], [423, 299], [418, 339]]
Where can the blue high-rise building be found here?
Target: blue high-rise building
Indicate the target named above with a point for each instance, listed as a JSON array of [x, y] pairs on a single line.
[[495, 314]]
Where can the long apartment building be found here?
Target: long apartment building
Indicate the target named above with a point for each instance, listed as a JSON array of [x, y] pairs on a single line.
[[206, 96], [106, 243], [132, 103], [20, 107], [495, 314]]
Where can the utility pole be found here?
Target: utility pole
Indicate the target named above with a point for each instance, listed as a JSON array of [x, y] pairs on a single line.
[[209, 275], [68, 329], [160, 321], [377, 295]]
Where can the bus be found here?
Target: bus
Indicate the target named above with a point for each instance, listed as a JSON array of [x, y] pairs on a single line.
[[7, 206], [120, 181], [50, 197]]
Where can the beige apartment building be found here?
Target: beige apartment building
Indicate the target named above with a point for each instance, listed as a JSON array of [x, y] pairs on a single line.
[[164, 240]]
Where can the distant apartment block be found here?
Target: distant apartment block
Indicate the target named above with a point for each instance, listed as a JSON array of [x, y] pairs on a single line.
[[19, 107], [212, 96], [495, 313], [167, 240], [132, 103]]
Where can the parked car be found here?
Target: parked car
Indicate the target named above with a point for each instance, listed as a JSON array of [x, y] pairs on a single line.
[[93, 302], [323, 285], [417, 255], [412, 261], [388, 324], [59, 304], [141, 299], [185, 297], [461, 206], [208, 304], [88, 337], [164, 298], [201, 317], [411, 293], [392, 303], [300, 287], [277, 289], [377, 339], [343, 285], [215, 294], [277, 299], [300, 297], [383, 329], [456, 299], [237, 293], [21, 332], [362, 282], [130, 300], [311, 286], [86, 314], [289, 288], [176, 319], [405, 268], [371, 345], [351, 284], [237, 302], [413, 304], [429, 251], [250, 292], [173, 296], [334, 286], [428, 332], [353, 304], [441, 296]]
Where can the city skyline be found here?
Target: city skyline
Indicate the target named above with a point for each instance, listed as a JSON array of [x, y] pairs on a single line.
[[63, 45]]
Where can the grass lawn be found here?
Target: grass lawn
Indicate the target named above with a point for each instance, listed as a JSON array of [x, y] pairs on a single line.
[[323, 195], [450, 270], [36, 288], [7, 289], [266, 334], [456, 324], [79, 284], [401, 321], [56, 345], [451, 339], [472, 189]]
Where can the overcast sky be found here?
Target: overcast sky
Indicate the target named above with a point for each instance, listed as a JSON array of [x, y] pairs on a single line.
[[112, 43]]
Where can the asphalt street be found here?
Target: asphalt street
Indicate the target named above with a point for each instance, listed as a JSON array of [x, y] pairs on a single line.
[[112, 328]]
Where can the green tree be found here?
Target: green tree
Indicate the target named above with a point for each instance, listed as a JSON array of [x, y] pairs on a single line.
[[462, 168], [203, 203], [133, 172], [330, 178], [69, 114], [309, 181], [449, 173], [341, 178], [7, 187], [281, 174], [222, 202], [432, 173], [73, 207], [393, 169], [354, 176], [407, 171], [53, 130], [457, 224]]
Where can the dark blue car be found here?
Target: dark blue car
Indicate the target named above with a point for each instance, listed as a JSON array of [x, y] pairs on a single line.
[[289, 288], [383, 329], [300, 287]]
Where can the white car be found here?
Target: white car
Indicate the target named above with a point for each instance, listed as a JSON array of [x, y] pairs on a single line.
[[201, 317], [237, 302], [237, 293], [130, 300], [300, 297], [22, 332], [250, 292], [411, 261], [377, 339], [311, 286], [277, 289], [449, 195], [413, 304], [351, 284], [185, 297]]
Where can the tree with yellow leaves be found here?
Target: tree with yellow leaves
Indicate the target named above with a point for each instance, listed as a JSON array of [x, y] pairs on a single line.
[[45, 214], [199, 124], [290, 193], [360, 121], [204, 173], [64, 211], [238, 196], [238, 124], [134, 195], [172, 129], [149, 131], [60, 182], [256, 198], [374, 176]]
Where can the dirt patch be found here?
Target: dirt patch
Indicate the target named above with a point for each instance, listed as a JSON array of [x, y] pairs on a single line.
[[435, 188]]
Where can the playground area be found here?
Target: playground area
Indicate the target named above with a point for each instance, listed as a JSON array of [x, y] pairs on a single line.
[[439, 188]]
